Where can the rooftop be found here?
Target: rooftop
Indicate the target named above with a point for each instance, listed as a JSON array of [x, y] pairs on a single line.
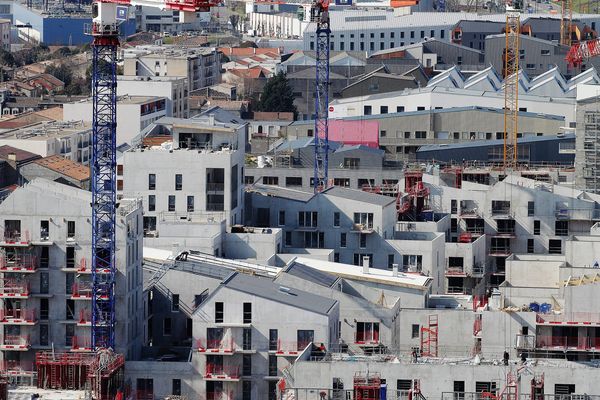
[[266, 288], [44, 130], [128, 99], [374, 274], [483, 143], [359, 195], [21, 155], [168, 51], [66, 167]]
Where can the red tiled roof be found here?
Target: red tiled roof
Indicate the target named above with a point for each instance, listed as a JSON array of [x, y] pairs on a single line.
[[249, 51], [66, 167], [21, 155]]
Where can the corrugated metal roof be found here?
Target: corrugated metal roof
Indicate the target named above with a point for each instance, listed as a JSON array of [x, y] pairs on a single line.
[[267, 289]]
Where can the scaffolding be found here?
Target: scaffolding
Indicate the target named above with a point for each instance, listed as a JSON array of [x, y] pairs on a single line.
[[416, 199], [429, 337], [101, 371], [367, 386]]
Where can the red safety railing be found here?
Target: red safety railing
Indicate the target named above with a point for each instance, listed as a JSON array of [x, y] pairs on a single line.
[[15, 341], [477, 325], [567, 343], [218, 395], [219, 371], [14, 288], [574, 318], [16, 368], [81, 343], [16, 315], [16, 237], [85, 317], [215, 345], [290, 347], [366, 337], [479, 301], [18, 263], [82, 290], [144, 395]]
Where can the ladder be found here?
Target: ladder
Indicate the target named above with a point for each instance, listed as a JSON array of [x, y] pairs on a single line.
[[429, 337]]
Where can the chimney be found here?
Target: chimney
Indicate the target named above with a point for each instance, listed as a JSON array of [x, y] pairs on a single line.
[[395, 269], [211, 119], [12, 157], [366, 265]]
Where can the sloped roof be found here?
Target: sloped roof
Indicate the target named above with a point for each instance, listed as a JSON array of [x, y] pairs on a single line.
[[359, 195], [21, 155], [65, 167], [267, 289]]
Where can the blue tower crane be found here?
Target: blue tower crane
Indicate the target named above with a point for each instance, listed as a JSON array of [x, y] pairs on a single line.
[[320, 15]]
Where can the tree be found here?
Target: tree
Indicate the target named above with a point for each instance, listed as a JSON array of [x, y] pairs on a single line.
[[277, 96], [62, 72], [6, 59]]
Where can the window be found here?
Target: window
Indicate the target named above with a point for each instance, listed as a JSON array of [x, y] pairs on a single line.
[[561, 388], [343, 239], [247, 338], [45, 257], [167, 326], [485, 387], [272, 365], [561, 228], [336, 257], [174, 302], [459, 388], [383, 109], [146, 386], [310, 133], [178, 181], [151, 181], [247, 388], [69, 282], [400, 109], [530, 246], [412, 262], [554, 246], [351, 46], [70, 229], [359, 258], [352, 163], [190, 204], [420, 135], [176, 387], [390, 261], [273, 339], [45, 230], [281, 220], [44, 334], [530, 208], [218, 312], [44, 309], [415, 331], [69, 333], [344, 182], [336, 219], [305, 337], [293, 181], [362, 240], [404, 384], [70, 257], [247, 365], [422, 34], [545, 52], [69, 309], [383, 133], [536, 227], [367, 110], [151, 202], [420, 108], [171, 202], [442, 34], [412, 34], [288, 239], [270, 180], [247, 313], [530, 66], [248, 179], [308, 219], [367, 332], [314, 240]]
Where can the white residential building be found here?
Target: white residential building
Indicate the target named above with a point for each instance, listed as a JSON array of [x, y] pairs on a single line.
[[71, 139], [46, 288], [173, 89], [134, 114]]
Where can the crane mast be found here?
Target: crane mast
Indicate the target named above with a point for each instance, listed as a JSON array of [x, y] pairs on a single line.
[[320, 15], [106, 16], [511, 87]]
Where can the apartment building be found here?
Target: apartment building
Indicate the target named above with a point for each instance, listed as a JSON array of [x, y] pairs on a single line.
[[46, 289], [200, 66], [71, 140], [134, 114], [173, 89], [195, 175]]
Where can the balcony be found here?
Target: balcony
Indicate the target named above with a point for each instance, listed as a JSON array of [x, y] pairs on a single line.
[[81, 344], [17, 368], [216, 346], [570, 319], [564, 212], [14, 289], [289, 348], [568, 343], [366, 338], [15, 239], [501, 209], [217, 372], [215, 187], [218, 396], [455, 271], [525, 342], [500, 251], [18, 317], [20, 263], [15, 343], [478, 269], [362, 228], [475, 230], [82, 291]]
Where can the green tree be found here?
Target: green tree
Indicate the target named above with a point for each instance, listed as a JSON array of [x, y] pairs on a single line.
[[277, 95], [6, 59], [62, 72]]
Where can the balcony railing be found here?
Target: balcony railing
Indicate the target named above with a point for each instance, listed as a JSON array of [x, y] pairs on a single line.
[[564, 343], [366, 337], [221, 372], [82, 291], [215, 206], [455, 271], [525, 342], [16, 238], [218, 396], [290, 348], [81, 343], [16, 368], [215, 346], [475, 230], [215, 187], [15, 342], [14, 289], [85, 317], [16, 316], [500, 250], [20, 263]]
